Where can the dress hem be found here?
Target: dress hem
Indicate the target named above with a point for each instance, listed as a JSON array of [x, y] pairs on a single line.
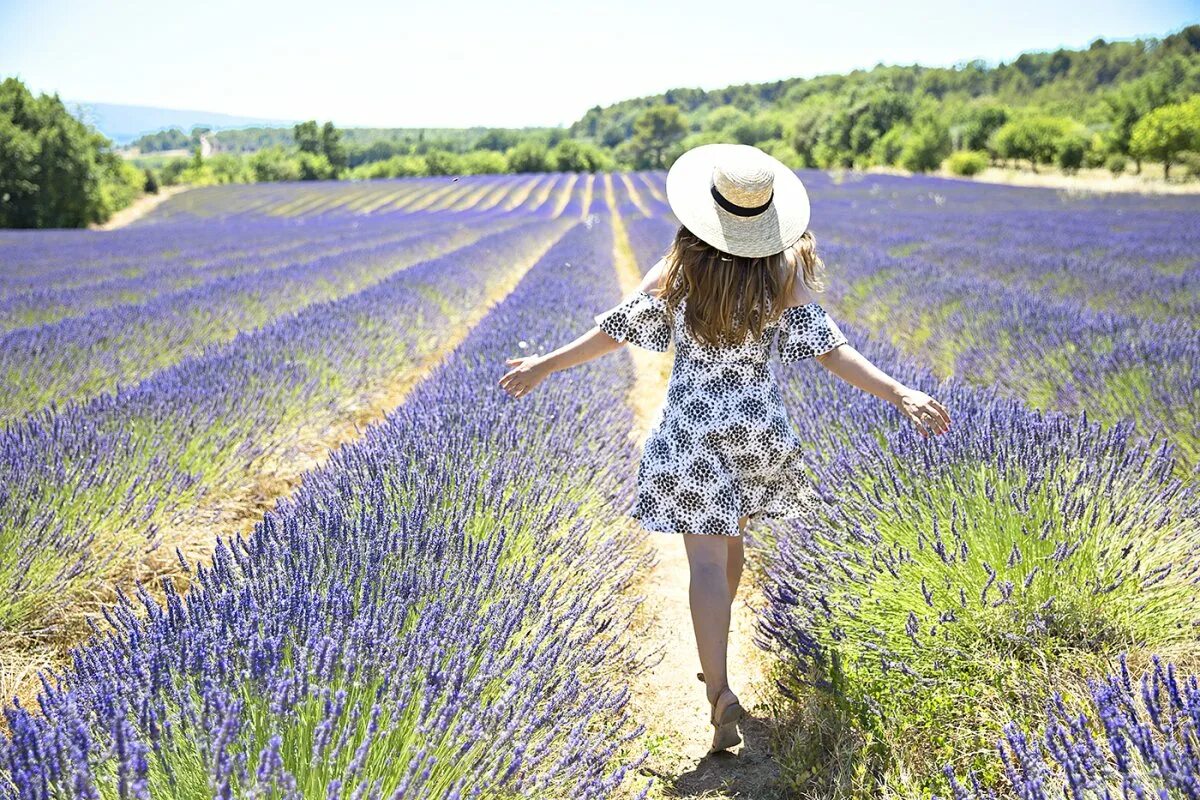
[[754, 515]]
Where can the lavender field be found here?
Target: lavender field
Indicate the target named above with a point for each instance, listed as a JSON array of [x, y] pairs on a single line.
[[268, 528]]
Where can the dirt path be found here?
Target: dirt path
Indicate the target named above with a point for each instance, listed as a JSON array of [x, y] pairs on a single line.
[[139, 208], [667, 698]]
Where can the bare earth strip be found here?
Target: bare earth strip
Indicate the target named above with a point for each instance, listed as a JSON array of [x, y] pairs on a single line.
[[195, 530], [139, 208], [667, 698], [1084, 181]]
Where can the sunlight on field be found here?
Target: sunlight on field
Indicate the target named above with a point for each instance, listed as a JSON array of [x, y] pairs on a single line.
[[254, 441]]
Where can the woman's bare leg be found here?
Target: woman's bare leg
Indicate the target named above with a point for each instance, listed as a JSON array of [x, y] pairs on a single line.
[[735, 559], [708, 595]]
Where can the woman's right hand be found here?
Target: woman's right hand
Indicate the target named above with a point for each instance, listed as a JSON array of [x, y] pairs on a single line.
[[526, 373]]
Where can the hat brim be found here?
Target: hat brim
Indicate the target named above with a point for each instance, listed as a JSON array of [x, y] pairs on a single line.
[[689, 193]]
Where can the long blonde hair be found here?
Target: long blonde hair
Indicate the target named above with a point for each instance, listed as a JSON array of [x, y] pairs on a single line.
[[729, 296]]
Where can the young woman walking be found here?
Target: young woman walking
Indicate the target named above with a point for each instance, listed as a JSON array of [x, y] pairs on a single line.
[[735, 286]]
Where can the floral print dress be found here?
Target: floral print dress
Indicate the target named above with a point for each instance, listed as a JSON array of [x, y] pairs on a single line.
[[721, 447]]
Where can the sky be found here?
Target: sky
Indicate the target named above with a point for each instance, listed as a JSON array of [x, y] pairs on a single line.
[[511, 63]]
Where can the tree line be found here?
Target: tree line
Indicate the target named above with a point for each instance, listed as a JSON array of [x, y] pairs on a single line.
[[1114, 104]]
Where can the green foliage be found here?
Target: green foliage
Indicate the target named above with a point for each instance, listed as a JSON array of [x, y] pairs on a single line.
[[218, 169], [655, 132], [331, 146], [1165, 132], [439, 162], [1035, 138], [150, 183], [54, 170], [571, 155], [315, 167], [1071, 148], [529, 156], [274, 164], [172, 172], [394, 167], [483, 162], [1115, 164], [925, 146], [122, 184], [307, 136], [842, 120], [170, 139], [967, 162], [973, 125]]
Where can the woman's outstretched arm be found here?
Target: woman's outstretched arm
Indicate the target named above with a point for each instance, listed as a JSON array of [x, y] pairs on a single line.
[[857, 370], [528, 371]]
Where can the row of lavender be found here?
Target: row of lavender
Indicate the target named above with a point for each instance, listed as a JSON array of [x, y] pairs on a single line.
[[108, 346], [955, 584], [1069, 303], [91, 480], [432, 615], [169, 240]]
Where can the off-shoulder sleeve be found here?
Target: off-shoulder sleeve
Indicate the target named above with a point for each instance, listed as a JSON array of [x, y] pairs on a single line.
[[806, 331], [640, 319]]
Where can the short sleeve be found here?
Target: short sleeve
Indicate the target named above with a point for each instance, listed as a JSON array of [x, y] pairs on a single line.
[[806, 331], [640, 319]]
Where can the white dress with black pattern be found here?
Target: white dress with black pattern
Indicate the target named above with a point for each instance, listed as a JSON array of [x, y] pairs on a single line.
[[722, 447]]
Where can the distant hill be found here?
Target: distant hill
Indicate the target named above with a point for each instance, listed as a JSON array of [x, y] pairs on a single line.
[[123, 123]]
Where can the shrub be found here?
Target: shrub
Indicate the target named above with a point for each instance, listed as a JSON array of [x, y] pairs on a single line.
[[967, 162], [529, 156], [1072, 148], [441, 162], [571, 155], [483, 162], [274, 164], [1115, 164]]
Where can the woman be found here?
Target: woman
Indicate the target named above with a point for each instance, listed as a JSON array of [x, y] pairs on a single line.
[[735, 286]]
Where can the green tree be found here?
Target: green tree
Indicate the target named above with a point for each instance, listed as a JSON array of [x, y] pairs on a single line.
[[974, 124], [307, 136], [274, 164], [1071, 149], [54, 170], [571, 155], [529, 156], [925, 146], [332, 147], [441, 162], [483, 162], [655, 131], [1034, 138], [1165, 132], [314, 166], [498, 139]]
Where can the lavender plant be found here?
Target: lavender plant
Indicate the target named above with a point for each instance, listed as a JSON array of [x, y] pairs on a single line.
[[1132, 739], [398, 628]]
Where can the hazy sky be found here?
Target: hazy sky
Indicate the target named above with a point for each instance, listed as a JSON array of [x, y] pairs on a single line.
[[507, 62]]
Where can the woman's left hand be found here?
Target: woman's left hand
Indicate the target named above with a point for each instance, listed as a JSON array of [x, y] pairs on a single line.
[[526, 373], [928, 414]]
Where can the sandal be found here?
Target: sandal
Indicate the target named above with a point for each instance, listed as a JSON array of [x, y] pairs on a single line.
[[725, 733]]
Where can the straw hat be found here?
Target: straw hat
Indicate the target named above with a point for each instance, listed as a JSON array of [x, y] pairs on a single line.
[[738, 199]]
